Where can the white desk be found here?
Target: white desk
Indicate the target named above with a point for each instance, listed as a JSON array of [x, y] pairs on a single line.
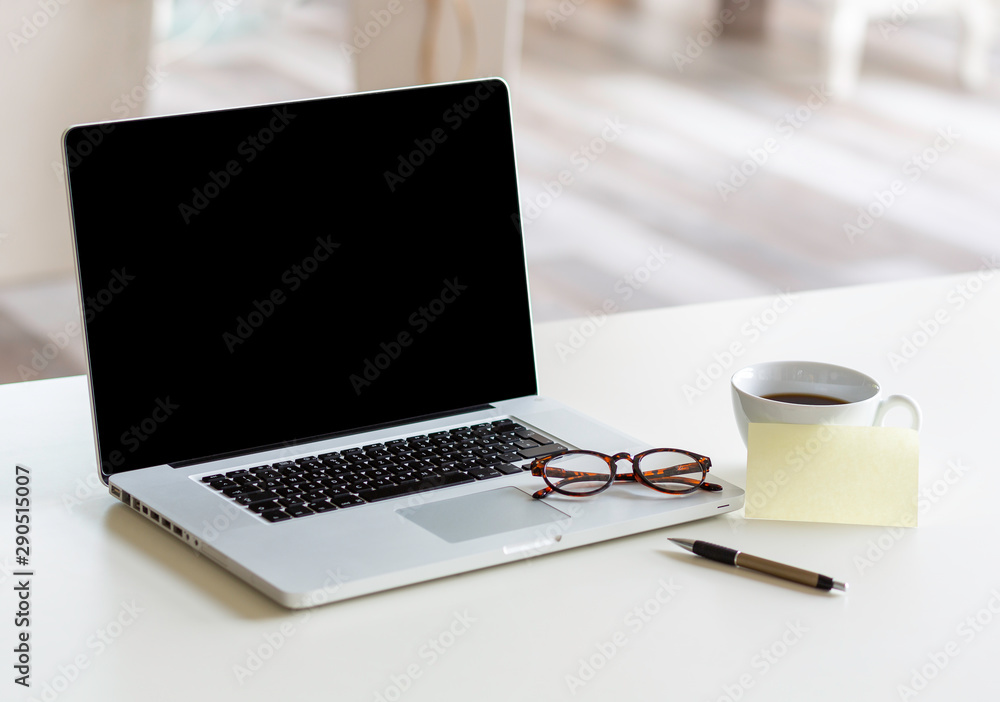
[[122, 611]]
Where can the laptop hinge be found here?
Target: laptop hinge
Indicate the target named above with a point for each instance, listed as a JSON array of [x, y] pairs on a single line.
[[326, 437]]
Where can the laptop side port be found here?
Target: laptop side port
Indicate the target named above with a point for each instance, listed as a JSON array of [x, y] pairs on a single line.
[[162, 521]]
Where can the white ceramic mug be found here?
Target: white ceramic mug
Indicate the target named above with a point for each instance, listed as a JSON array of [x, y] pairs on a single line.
[[860, 396]]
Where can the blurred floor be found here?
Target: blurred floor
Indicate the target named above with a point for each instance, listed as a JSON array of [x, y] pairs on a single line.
[[660, 165]]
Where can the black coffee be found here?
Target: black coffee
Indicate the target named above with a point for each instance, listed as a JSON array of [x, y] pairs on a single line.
[[795, 398]]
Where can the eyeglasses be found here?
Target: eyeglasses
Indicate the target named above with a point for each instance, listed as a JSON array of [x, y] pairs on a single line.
[[582, 473]]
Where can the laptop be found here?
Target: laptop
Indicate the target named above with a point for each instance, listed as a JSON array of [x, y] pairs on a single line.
[[309, 343]]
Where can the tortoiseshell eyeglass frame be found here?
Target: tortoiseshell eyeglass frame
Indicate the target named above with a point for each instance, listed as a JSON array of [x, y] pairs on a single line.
[[700, 464]]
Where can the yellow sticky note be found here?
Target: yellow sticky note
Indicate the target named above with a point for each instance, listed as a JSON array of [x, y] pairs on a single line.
[[845, 475]]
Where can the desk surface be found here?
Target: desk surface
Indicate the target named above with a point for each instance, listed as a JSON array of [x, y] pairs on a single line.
[[121, 610]]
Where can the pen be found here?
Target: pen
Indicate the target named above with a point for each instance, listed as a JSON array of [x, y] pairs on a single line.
[[733, 557]]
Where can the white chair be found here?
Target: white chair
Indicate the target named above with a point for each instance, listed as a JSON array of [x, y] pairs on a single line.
[[848, 22]]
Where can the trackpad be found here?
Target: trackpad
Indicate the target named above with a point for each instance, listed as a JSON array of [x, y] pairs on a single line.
[[482, 514]]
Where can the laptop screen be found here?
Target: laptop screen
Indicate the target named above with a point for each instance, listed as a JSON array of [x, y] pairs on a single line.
[[260, 276]]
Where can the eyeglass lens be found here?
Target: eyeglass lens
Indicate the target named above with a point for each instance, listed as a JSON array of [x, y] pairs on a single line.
[[577, 473], [672, 471], [583, 473]]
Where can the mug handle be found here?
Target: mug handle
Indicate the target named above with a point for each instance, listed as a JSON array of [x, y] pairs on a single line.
[[893, 401]]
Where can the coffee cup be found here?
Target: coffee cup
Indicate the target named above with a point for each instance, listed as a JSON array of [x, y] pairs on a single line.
[[806, 392]]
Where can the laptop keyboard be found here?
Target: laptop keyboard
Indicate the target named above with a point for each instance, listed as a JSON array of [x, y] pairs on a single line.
[[356, 476]]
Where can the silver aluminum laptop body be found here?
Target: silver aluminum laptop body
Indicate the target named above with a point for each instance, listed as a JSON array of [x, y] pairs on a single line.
[[208, 234]]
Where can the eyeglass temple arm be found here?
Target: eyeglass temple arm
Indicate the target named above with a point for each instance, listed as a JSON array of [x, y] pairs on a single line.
[[546, 491]]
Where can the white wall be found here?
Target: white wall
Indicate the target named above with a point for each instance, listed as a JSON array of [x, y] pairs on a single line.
[[61, 62]]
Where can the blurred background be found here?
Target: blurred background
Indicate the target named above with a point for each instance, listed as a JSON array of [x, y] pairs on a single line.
[[670, 151]]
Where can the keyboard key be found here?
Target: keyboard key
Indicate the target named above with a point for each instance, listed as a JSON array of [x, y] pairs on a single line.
[[483, 473], [534, 436], [507, 468], [346, 500], [298, 511], [275, 515], [254, 497], [541, 450], [237, 490], [261, 507], [412, 486], [321, 506]]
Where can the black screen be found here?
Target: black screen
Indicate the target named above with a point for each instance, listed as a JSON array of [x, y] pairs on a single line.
[[260, 276]]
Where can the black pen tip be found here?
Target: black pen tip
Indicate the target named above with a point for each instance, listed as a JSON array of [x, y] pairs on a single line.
[[684, 543]]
